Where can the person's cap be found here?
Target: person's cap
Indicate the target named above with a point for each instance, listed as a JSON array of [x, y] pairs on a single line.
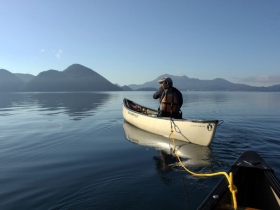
[[165, 79]]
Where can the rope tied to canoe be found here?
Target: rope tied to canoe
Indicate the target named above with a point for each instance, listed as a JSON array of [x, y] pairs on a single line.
[[229, 177]]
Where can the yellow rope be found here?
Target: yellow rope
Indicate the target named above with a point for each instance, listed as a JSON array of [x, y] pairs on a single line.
[[229, 177]]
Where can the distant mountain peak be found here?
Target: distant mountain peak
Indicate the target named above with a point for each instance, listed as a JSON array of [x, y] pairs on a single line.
[[5, 74], [74, 78], [76, 66], [79, 70], [186, 83], [126, 88], [49, 73], [9, 81], [24, 77], [173, 76], [164, 75], [4, 71]]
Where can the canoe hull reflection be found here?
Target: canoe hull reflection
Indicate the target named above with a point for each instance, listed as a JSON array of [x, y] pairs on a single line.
[[193, 154]]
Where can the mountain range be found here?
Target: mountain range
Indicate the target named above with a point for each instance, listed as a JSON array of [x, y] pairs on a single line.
[[74, 78], [80, 78], [185, 83]]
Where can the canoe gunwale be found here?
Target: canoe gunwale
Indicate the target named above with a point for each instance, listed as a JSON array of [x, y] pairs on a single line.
[[274, 181], [199, 132], [265, 173], [125, 100]]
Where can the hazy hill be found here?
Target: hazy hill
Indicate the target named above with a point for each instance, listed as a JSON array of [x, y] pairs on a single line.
[[186, 83], [24, 77], [74, 78], [146, 89], [274, 87], [80, 78], [9, 82], [126, 88]]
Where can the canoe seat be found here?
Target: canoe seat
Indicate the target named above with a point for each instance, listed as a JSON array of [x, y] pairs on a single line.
[[136, 108]]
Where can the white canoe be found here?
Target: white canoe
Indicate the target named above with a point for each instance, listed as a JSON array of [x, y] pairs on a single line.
[[199, 132], [192, 154]]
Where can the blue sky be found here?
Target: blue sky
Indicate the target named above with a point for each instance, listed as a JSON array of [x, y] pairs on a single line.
[[135, 41]]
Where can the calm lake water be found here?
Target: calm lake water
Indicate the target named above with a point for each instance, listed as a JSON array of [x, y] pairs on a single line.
[[70, 151]]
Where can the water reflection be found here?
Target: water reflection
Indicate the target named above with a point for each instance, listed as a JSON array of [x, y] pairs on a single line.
[[191, 154], [205, 97], [9, 100], [74, 104]]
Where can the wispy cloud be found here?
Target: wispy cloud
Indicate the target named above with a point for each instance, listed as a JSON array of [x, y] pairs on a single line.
[[179, 73], [263, 79], [58, 53], [260, 80]]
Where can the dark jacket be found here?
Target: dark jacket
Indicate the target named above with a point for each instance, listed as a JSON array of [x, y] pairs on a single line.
[[160, 93]]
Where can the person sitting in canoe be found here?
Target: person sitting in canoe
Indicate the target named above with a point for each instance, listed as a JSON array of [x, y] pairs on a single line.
[[170, 99]]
